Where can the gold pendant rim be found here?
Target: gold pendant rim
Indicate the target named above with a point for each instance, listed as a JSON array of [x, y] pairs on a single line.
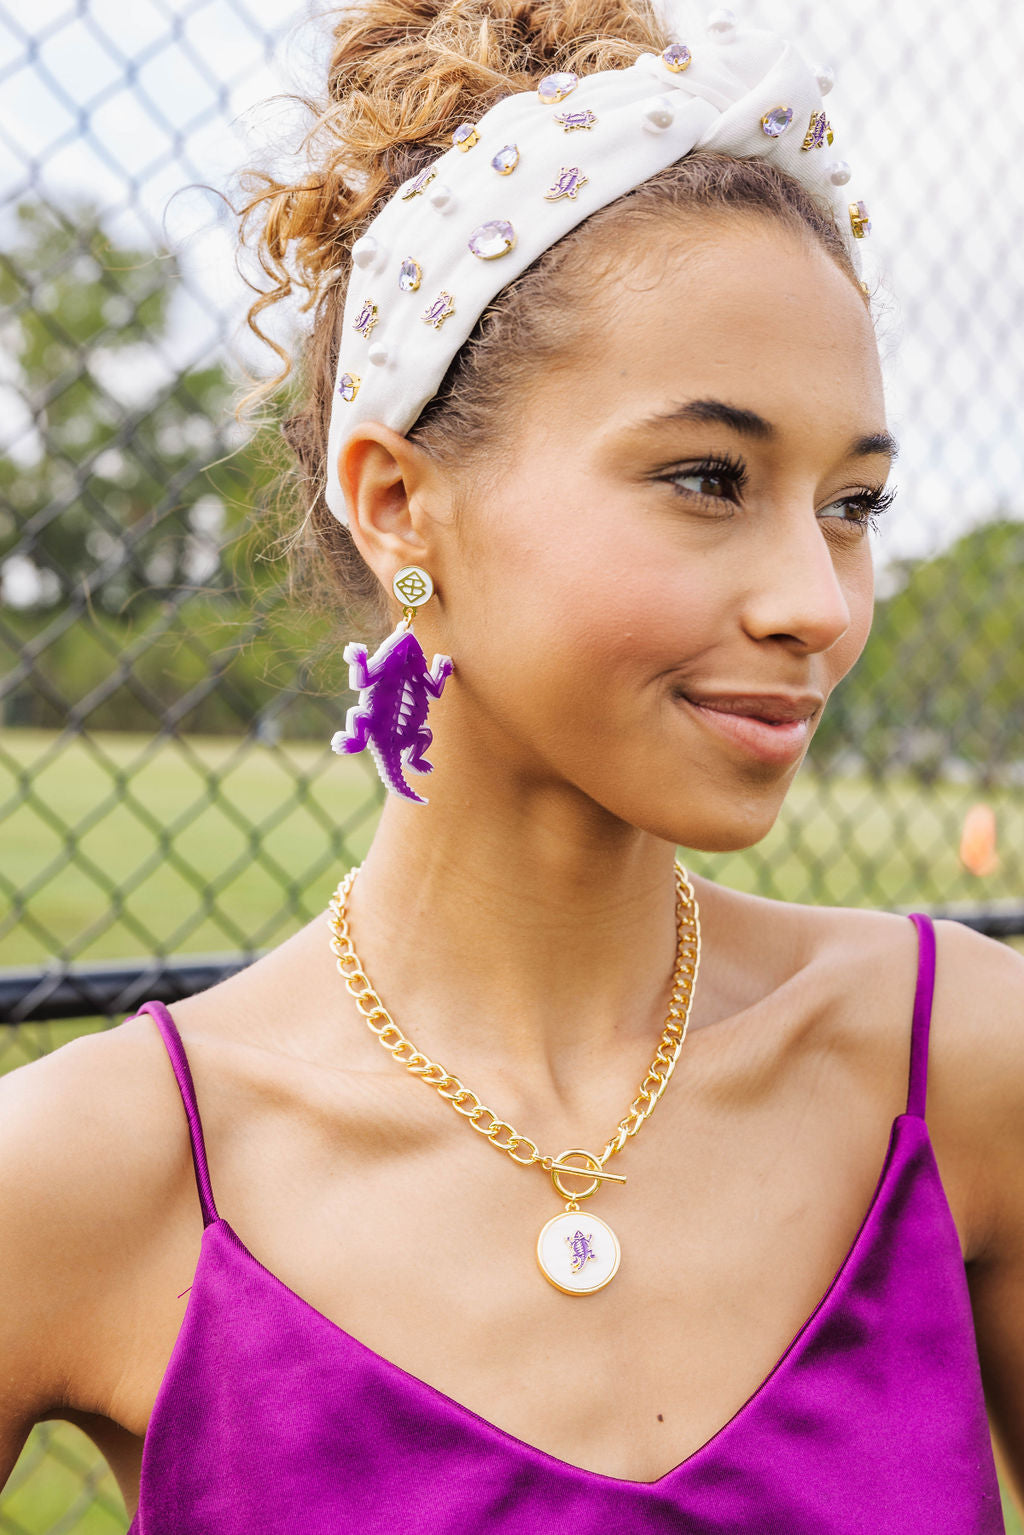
[[593, 1289]]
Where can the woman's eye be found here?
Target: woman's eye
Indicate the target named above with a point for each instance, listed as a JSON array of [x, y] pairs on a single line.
[[702, 484], [847, 511], [862, 509], [714, 481]]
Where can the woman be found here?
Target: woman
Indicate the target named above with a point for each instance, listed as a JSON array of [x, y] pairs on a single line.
[[639, 480]]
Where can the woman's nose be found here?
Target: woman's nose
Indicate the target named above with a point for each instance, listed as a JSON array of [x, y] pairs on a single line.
[[795, 593]]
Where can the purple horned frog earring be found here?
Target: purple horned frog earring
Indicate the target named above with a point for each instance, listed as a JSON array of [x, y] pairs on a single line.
[[395, 687]]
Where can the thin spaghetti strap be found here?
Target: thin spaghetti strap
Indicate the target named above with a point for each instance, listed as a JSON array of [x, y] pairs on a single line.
[[183, 1076], [918, 1086]]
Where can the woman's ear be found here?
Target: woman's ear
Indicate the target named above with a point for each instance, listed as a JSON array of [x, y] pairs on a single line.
[[387, 481]]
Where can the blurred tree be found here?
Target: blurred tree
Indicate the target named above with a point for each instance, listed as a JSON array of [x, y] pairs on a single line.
[[131, 475], [139, 573], [942, 676]]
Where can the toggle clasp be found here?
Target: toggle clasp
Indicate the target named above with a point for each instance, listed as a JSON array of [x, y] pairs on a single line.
[[593, 1170]]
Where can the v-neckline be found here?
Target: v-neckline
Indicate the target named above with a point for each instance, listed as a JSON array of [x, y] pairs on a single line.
[[522, 1446]]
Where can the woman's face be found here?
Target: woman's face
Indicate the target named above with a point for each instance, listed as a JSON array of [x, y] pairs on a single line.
[[649, 605]]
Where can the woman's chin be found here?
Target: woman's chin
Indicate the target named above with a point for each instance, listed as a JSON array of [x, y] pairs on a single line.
[[723, 843], [732, 830]]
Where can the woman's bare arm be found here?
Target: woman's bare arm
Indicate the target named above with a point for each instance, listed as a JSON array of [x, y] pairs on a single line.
[[980, 1075], [90, 1142], [39, 1145]]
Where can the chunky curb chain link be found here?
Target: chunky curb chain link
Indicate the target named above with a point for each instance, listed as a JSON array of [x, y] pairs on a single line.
[[462, 1099]]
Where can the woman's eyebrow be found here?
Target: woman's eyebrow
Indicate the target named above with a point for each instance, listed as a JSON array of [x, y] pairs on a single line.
[[877, 442], [749, 424]]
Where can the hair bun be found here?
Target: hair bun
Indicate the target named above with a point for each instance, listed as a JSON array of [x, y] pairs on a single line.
[[402, 75]]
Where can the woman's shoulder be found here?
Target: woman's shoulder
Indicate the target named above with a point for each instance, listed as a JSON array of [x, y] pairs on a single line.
[[69, 1121], [99, 1208], [976, 1075], [979, 978], [856, 970], [92, 1158], [827, 953], [975, 975], [862, 966]]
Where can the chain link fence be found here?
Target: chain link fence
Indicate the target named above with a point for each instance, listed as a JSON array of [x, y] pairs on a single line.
[[169, 805]]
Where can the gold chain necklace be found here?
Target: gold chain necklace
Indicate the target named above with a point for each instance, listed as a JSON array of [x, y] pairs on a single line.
[[574, 1260]]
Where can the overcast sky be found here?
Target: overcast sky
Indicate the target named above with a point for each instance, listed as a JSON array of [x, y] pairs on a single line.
[[128, 101]]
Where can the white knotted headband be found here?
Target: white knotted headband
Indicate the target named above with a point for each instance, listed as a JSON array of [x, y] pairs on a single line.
[[531, 169]]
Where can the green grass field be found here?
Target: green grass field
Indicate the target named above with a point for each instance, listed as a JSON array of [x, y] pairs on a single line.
[[161, 838], [61, 1484], [200, 871]]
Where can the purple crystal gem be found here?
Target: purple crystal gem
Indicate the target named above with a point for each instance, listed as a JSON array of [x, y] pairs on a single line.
[[409, 275], [580, 1245], [570, 121], [465, 136], [495, 238], [506, 160], [678, 57], [570, 179], [419, 183], [395, 688], [348, 387], [556, 87], [440, 309], [775, 122], [366, 319]]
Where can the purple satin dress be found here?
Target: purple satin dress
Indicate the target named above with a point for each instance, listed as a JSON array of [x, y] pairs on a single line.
[[271, 1418]]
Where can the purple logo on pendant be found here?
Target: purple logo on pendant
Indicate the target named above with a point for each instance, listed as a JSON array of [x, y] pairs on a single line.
[[582, 1251], [570, 179]]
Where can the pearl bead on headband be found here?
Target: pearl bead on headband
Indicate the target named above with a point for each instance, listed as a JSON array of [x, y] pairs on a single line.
[[536, 165]]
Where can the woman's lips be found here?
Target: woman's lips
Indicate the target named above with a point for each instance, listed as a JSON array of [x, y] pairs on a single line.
[[773, 738]]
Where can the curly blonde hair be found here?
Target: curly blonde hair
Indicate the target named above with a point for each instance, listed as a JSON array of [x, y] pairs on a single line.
[[402, 75]]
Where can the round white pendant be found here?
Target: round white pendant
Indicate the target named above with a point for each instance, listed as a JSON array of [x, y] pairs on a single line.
[[578, 1253]]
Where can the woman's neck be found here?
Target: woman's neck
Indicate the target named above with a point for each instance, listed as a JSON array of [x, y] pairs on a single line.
[[533, 939]]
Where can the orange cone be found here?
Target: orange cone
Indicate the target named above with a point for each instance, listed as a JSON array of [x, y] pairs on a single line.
[[978, 841]]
